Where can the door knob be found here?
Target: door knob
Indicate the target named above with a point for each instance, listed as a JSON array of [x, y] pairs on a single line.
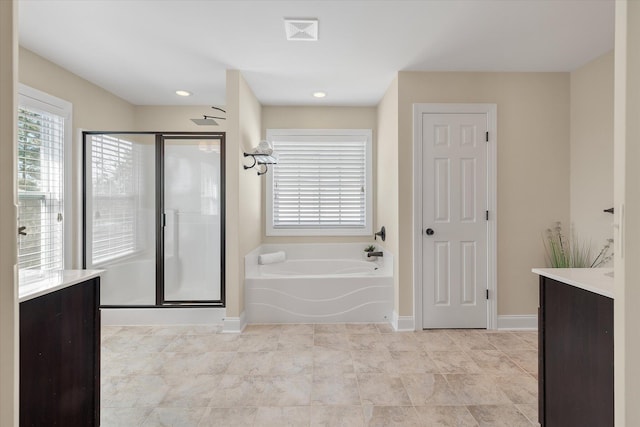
[[429, 231]]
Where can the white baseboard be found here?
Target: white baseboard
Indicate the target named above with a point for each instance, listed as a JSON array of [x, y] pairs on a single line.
[[162, 316], [518, 322], [234, 325], [402, 323]]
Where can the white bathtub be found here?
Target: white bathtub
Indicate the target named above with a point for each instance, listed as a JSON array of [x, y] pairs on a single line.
[[319, 283]]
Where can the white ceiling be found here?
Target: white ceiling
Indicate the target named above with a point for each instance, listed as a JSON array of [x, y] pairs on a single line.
[[143, 50]]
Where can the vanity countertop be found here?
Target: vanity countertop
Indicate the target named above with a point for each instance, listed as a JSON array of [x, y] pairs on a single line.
[[35, 283], [597, 280]]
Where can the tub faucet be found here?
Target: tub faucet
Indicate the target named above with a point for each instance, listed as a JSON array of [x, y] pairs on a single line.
[[370, 254]]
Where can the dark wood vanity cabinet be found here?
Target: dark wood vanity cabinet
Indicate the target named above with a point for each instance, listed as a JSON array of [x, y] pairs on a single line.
[[60, 357], [575, 356]]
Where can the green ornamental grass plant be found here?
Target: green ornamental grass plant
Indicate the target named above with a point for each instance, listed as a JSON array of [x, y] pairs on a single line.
[[570, 252]]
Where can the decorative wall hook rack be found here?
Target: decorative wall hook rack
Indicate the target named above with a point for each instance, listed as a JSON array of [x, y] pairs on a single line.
[[260, 162]]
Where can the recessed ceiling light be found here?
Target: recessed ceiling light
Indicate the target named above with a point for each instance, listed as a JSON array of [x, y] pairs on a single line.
[[183, 93], [319, 94]]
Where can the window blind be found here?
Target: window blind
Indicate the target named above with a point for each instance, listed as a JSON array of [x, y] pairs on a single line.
[[115, 197], [320, 184], [40, 189]]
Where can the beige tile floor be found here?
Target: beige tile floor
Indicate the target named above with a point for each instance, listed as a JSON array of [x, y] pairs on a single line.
[[317, 375]]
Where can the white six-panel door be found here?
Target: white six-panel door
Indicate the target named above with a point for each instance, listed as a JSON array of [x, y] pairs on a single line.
[[454, 222]]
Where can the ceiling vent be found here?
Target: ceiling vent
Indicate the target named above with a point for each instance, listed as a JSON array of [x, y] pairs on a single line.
[[301, 29]]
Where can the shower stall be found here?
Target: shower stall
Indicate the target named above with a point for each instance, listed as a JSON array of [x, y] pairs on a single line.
[[153, 217]]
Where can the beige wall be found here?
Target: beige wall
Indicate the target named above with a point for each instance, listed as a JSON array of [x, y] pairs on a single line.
[[533, 169], [175, 118], [387, 177], [242, 188], [627, 195], [250, 214], [592, 151], [8, 223], [232, 197], [274, 117], [93, 107]]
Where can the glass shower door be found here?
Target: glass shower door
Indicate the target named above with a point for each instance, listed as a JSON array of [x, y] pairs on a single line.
[[120, 216], [192, 232]]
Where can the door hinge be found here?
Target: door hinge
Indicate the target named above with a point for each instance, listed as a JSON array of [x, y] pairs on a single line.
[[486, 215], [486, 136], [487, 293]]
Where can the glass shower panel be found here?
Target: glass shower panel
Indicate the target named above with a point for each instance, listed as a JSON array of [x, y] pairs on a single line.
[[120, 216], [192, 232]]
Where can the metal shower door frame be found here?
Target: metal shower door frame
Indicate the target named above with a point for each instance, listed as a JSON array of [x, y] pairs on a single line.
[[159, 208]]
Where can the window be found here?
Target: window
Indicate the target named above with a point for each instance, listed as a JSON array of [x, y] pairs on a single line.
[[321, 184], [116, 188], [44, 124]]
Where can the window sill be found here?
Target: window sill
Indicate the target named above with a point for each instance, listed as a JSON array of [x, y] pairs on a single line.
[[301, 232]]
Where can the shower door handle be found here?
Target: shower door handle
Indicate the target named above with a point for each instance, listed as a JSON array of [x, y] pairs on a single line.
[[164, 219]]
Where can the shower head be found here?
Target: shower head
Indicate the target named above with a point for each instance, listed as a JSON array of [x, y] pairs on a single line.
[[207, 120]]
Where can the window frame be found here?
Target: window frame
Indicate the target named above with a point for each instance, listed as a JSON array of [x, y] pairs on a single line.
[[323, 135], [29, 97], [114, 139]]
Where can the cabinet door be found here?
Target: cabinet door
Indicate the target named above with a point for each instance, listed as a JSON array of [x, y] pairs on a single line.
[[59, 358], [40, 326], [578, 357]]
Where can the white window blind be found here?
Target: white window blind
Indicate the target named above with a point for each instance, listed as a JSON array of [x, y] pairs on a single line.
[[321, 184], [115, 192], [41, 137]]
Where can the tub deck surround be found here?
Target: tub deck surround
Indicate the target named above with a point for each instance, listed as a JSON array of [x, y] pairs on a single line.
[[318, 283], [314, 251], [320, 267], [596, 280], [35, 283]]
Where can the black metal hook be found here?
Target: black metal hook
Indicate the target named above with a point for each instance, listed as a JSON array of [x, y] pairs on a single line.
[[266, 169], [254, 161], [382, 233], [257, 164]]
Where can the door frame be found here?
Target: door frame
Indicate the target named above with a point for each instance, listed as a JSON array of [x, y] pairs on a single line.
[[161, 301], [492, 192]]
